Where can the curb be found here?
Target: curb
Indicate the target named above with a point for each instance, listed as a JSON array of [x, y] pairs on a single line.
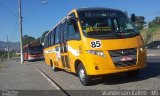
[[48, 79]]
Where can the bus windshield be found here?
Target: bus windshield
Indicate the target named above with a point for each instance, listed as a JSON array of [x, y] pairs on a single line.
[[33, 50], [106, 24]]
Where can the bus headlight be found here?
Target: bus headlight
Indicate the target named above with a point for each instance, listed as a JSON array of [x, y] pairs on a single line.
[[95, 52], [142, 48]]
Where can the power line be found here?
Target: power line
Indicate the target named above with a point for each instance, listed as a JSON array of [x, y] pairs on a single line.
[[153, 13], [35, 8], [15, 24], [15, 29], [30, 12], [8, 9]]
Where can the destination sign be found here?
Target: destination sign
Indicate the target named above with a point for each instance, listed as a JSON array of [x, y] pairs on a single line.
[[100, 14], [98, 29]]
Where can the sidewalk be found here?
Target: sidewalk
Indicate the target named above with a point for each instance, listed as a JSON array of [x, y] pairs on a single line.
[[16, 76]]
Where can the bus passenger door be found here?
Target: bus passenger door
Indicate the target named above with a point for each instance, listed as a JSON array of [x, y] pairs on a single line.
[[63, 47]]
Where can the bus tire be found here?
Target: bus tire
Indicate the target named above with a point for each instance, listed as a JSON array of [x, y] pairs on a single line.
[[52, 66], [133, 73], [83, 77]]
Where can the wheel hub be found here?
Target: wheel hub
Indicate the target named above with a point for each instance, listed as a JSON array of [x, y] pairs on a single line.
[[82, 74]]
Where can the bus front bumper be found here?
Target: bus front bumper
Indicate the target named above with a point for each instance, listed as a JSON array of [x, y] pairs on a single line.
[[30, 58], [141, 63]]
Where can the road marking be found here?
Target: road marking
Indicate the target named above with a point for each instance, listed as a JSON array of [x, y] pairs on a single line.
[[49, 80]]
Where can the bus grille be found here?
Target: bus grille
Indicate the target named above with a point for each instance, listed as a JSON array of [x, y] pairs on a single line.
[[116, 56], [125, 63]]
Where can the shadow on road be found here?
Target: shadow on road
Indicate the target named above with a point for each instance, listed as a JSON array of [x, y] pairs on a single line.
[[152, 70]]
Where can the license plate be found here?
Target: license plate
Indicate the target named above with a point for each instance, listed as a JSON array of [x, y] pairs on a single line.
[[126, 58]]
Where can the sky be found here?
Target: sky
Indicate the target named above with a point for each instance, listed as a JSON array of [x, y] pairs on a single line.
[[39, 16]]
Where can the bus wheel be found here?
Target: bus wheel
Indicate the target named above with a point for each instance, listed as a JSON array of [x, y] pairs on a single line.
[[84, 78], [133, 73], [52, 66]]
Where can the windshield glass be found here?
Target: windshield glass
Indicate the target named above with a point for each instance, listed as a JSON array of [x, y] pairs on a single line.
[[106, 23], [33, 50]]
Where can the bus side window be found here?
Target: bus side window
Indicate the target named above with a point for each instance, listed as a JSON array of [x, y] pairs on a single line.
[[45, 41], [49, 39], [65, 31], [52, 38], [73, 29], [73, 34], [50, 35], [61, 33], [57, 35]]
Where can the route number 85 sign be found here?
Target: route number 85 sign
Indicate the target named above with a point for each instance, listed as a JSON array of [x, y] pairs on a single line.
[[96, 44]]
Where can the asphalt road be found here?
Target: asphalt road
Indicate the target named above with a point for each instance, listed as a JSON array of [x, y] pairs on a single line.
[[148, 78], [38, 76]]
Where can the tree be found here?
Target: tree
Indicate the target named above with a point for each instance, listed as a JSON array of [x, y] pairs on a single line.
[[3, 55], [27, 39], [36, 41], [154, 22], [140, 21], [43, 35], [39, 39]]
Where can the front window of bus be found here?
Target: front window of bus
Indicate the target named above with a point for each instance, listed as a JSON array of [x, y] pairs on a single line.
[[33, 50], [106, 24]]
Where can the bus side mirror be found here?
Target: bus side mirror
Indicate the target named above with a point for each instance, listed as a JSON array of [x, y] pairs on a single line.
[[70, 20], [133, 17]]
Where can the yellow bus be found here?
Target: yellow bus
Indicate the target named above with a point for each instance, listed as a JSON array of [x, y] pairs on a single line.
[[94, 42]]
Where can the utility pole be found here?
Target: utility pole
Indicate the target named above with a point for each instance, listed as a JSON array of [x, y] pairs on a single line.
[[158, 18], [20, 29], [7, 47]]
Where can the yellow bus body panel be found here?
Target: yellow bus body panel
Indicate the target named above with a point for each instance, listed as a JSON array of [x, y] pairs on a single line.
[[77, 51], [90, 61], [106, 64]]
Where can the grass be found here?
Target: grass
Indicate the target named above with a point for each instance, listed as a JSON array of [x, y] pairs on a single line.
[[1, 64], [153, 33]]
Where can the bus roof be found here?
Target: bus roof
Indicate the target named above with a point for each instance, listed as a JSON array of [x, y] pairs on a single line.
[[31, 45], [96, 8]]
